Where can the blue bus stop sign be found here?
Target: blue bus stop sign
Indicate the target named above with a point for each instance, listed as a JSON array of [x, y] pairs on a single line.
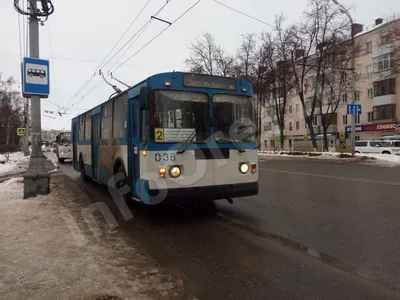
[[354, 109], [36, 77]]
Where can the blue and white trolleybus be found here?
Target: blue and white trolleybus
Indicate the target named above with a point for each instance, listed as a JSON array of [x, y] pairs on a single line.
[[173, 137]]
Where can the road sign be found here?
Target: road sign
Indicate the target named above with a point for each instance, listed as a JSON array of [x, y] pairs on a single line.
[[343, 144], [305, 137], [20, 131], [36, 77], [398, 127], [342, 135], [354, 109]]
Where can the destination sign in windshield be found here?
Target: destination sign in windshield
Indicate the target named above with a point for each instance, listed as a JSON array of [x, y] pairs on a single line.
[[206, 81]]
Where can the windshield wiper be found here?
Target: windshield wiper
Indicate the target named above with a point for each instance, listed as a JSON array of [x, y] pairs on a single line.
[[234, 142], [190, 138]]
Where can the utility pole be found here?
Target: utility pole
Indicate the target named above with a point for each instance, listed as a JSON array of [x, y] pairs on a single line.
[[36, 179], [353, 76], [25, 146]]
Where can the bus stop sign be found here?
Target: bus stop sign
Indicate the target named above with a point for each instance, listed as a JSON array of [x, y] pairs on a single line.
[[36, 77]]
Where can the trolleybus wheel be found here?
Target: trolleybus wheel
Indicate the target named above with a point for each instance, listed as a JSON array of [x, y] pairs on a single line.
[[124, 182]]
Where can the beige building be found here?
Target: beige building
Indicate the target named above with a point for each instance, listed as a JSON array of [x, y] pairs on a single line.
[[377, 90]]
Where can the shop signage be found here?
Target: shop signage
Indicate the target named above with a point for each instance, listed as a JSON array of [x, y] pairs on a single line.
[[374, 127]]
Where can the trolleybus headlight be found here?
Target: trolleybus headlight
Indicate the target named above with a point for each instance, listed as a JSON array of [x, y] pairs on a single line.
[[254, 168], [243, 168], [175, 171]]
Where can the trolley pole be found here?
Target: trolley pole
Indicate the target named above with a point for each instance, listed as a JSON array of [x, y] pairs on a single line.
[[36, 179]]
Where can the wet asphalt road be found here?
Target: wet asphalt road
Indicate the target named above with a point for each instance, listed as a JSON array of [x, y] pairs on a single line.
[[317, 230]]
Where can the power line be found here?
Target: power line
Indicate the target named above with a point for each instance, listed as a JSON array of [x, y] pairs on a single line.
[[91, 61], [126, 30], [101, 64], [86, 94], [126, 50], [160, 33], [242, 13], [139, 33]]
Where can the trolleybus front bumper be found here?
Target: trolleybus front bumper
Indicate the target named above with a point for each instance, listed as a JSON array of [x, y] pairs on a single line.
[[214, 192]]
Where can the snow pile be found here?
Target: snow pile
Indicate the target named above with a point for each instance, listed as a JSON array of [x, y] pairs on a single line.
[[385, 159], [53, 158], [15, 163], [382, 159]]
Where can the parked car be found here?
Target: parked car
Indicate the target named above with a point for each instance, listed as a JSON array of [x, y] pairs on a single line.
[[393, 143], [376, 147]]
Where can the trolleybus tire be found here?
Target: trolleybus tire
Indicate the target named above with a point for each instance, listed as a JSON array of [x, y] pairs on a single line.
[[123, 182]]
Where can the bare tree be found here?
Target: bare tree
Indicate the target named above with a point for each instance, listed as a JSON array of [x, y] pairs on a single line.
[[275, 51], [224, 63], [208, 58], [320, 54], [331, 61], [246, 57], [10, 112], [202, 54]]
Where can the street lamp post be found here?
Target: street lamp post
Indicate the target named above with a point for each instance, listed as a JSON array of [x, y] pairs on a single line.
[[353, 76]]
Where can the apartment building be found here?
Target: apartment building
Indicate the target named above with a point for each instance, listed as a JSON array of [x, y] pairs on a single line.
[[377, 90]]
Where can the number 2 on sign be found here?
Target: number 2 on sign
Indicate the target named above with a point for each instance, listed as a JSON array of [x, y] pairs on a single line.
[[159, 135]]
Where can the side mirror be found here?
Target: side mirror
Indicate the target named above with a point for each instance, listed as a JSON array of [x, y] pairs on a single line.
[[142, 98]]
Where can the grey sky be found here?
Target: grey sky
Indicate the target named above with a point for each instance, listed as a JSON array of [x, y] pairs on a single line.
[[83, 32]]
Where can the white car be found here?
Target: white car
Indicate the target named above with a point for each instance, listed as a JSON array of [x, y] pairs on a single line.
[[376, 147]]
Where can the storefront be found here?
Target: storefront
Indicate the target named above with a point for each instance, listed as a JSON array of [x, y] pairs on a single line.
[[374, 131]]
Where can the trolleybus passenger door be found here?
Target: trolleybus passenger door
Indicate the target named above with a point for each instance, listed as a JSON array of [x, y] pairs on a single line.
[[133, 140], [96, 146], [74, 145]]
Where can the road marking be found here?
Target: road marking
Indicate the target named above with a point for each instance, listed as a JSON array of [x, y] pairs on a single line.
[[332, 177]]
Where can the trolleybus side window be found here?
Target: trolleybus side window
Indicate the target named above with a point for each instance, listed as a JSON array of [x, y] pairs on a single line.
[[106, 121], [120, 116], [82, 128], [88, 126]]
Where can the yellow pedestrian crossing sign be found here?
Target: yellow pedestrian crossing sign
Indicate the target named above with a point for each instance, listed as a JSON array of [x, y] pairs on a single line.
[[20, 131], [305, 137], [342, 135]]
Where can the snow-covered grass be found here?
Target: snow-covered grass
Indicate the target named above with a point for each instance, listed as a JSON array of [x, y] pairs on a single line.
[[379, 159], [13, 163]]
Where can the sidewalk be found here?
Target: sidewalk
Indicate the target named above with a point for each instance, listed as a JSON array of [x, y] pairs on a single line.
[[48, 252]]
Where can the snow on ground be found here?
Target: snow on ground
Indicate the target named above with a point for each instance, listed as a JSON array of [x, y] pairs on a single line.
[[377, 159], [53, 158], [42, 259], [14, 164]]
